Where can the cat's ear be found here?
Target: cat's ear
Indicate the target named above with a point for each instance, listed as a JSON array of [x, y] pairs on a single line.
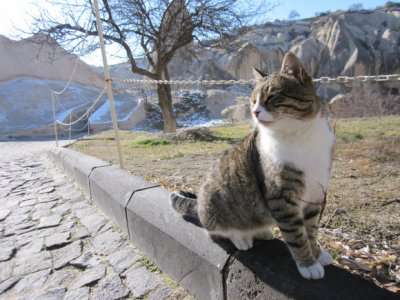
[[292, 66], [259, 75]]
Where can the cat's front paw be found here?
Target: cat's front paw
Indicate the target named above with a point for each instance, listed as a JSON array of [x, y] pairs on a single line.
[[325, 258], [242, 243], [314, 271]]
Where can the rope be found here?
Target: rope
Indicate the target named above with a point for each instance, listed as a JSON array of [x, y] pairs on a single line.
[[69, 80], [87, 111], [323, 80]]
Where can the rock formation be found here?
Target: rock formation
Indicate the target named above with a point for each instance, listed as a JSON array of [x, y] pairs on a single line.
[[340, 43]]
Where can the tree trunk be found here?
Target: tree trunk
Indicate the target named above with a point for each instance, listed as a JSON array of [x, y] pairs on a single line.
[[165, 102]]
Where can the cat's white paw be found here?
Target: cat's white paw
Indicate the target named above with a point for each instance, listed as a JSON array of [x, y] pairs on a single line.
[[314, 271], [325, 258], [242, 243]]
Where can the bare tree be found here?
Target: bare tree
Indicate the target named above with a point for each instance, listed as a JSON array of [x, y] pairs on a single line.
[[156, 29]]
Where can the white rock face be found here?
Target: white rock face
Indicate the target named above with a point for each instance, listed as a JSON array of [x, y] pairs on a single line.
[[26, 107], [31, 68], [39, 58]]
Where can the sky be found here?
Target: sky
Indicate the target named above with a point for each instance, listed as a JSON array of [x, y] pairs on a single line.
[[17, 14]]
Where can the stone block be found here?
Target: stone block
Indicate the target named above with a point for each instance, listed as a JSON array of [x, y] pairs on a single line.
[[181, 249], [111, 189], [80, 166], [267, 271]]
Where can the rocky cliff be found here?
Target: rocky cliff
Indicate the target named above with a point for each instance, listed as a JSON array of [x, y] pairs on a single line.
[[42, 58], [339, 43], [31, 68]]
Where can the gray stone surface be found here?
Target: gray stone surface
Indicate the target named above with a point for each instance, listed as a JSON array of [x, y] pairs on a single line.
[[110, 288], [78, 294], [61, 278], [30, 264], [163, 292], [32, 281], [6, 253], [123, 259], [182, 248], [89, 276], [4, 213], [6, 269], [58, 242], [141, 281], [57, 239], [27, 203], [111, 188], [49, 221], [93, 222], [80, 232], [80, 166], [86, 260], [267, 271], [53, 294], [9, 283], [107, 242], [32, 246], [64, 255]]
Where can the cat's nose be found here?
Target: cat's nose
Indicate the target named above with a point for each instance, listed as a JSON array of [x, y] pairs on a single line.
[[256, 113]]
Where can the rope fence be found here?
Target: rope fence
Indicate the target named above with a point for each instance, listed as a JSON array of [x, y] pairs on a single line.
[[86, 113], [146, 85], [323, 80]]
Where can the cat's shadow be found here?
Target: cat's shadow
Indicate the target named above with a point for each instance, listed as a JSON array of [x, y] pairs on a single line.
[[268, 271]]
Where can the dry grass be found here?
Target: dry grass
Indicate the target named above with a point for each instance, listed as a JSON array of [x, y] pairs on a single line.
[[363, 198]]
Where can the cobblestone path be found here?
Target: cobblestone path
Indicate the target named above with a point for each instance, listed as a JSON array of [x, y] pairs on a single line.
[[54, 244]]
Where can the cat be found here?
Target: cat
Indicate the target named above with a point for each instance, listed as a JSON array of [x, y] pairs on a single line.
[[278, 175]]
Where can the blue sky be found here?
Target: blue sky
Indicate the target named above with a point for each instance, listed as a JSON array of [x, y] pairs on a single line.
[[308, 8], [16, 14]]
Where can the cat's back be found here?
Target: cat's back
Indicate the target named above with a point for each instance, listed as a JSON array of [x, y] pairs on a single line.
[[237, 163], [231, 192]]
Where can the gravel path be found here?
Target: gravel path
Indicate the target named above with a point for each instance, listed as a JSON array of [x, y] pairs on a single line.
[[55, 245]]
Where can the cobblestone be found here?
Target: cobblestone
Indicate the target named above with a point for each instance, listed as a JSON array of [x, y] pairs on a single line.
[[141, 282], [57, 239], [54, 244], [64, 255]]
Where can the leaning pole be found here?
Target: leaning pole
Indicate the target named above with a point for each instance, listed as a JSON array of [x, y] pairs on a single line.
[[108, 81]]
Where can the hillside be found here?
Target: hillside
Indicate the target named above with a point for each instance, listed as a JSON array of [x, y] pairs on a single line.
[[30, 68], [338, 43]]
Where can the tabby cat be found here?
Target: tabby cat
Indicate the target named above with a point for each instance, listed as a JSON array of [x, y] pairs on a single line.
[[278, 175]]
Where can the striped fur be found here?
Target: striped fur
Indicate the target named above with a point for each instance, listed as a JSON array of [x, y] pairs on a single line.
[[278, 175]]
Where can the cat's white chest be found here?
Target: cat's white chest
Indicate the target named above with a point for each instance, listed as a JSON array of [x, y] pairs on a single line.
[[309, 149]]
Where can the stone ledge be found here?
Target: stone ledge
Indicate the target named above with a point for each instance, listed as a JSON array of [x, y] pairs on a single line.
[[77, 165], [112, 188], [207, 269]]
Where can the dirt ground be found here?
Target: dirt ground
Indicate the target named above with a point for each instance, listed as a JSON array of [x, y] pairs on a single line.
[[361, 223]]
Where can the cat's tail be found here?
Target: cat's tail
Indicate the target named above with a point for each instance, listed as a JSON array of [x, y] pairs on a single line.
[[184, 203]]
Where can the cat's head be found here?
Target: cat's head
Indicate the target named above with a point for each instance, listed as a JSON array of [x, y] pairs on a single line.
[[289, 94]]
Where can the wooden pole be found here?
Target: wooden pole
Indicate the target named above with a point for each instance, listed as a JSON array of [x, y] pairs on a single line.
[[53, 104], [107, 78], [70, 126]]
